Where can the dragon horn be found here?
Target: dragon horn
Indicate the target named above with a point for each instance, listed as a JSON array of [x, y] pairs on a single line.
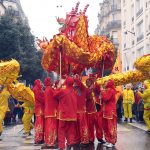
[[45, 39], [85, 9], [77, 6], [38, 42]]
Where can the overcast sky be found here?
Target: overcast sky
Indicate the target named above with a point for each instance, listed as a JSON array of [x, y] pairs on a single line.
[[42, 14]]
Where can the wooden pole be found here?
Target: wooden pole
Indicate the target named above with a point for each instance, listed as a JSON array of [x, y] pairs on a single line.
[[103, 67], [60, 66]]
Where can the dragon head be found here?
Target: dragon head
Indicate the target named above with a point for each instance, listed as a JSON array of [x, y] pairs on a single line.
[[70, 22]]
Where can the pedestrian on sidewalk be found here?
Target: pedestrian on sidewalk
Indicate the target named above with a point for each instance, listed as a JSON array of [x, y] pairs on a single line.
[[137, 104], [146, 99], [119, 108], [128, 100]]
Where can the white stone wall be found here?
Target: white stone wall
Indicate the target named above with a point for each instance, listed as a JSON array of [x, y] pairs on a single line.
[[133, 12], [2, 10]]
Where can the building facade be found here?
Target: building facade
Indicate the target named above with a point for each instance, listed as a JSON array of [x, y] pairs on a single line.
[[135, 19], [14, 6], [109, 21]]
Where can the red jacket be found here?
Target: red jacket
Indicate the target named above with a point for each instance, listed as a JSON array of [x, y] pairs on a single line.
[[109, 101], [67, 109], [137, 98], [50, 102], [97, 92], [91, 101], [39, 98], [81, 96]]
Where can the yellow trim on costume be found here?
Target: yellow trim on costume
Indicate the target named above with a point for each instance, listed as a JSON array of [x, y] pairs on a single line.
[[51, 116], [67, 119], [91, 113]]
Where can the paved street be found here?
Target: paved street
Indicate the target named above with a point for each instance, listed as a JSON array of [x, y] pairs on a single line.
[[129, 138]]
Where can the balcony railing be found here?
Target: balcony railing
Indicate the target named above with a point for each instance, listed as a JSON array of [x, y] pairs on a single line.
[[140, 37], [113, 24], [106, 12], [139, 12], [115, 7]]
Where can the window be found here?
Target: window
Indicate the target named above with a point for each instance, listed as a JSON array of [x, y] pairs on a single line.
[[124, 2], [147, 48], [147, 23], [139, 52], [132, 13], [132, 36], [126, 62], [125, 12], [124, 40], [115, 37], [140, 31], [139, 7], [133, 59], [115, 34], [139, 4]]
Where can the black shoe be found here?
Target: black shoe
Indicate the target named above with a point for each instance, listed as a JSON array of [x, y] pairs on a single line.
[[130, 120], [39, 143], [91, 142], [126, 120], [84, 145], [101, 141], [69, 147], [48, 147]]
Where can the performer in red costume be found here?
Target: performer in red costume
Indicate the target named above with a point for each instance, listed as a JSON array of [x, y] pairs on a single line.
[[109, 114], [67, 115], [91, 109], [39, 112], [81, 112], [50, 113], [99, 114]]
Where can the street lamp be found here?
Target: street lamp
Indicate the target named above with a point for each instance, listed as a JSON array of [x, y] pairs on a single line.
[[127, 31]]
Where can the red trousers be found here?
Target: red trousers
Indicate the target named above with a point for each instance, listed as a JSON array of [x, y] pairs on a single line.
[[39, 129], [99, 124], [67, 130], [50, 134], [110, 129], [83, 128], [95, 122]]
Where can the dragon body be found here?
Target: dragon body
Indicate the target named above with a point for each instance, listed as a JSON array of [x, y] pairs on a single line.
[[9, 72], [78, 49]]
